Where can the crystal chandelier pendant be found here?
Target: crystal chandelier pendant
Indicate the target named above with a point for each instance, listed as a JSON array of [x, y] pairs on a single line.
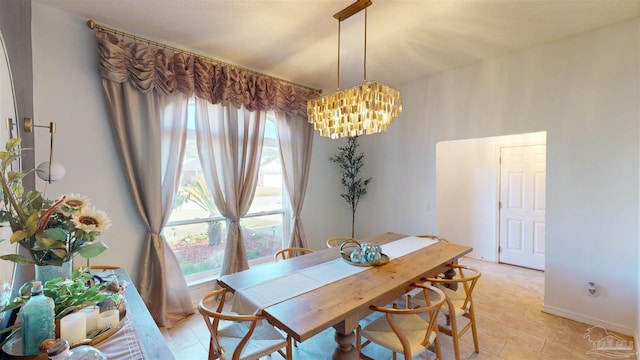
[[361, 110]]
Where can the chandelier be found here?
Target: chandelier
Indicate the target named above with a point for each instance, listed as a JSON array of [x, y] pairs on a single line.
[[364, 109]]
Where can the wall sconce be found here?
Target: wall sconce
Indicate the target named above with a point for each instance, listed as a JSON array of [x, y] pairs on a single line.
[[49, 170]]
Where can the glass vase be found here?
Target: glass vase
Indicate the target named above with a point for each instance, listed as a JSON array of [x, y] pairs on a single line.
[[45, 273]]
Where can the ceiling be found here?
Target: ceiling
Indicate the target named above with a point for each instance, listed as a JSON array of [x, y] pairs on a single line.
[[297, 40]]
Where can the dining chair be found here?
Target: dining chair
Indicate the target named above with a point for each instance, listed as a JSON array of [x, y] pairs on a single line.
[[336, 241], [239, 337], [409, 331], [287, 253], [459, 304], [449, 273], [104, 267]]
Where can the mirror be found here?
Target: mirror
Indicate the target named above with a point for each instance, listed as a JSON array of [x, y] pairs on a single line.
[[8, 130]]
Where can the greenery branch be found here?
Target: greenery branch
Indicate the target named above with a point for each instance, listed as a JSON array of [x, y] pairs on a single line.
[[350, 163]]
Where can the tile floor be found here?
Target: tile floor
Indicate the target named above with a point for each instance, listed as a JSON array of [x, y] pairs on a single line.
[[511, 325]]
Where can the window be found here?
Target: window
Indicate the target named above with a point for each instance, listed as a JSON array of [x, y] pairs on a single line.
[[196, 231]]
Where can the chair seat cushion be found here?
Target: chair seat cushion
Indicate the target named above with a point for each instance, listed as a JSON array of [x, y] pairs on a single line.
[[413, 326], [264, 340]]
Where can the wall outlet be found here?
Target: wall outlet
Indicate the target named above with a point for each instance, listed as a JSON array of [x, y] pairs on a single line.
[[592, 289]]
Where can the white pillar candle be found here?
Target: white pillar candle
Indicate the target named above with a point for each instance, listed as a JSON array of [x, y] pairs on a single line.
[[91, 313], [109, 317], [73, 327]]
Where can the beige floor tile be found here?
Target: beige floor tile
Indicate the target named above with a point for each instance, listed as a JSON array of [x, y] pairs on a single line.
[[514, 350]]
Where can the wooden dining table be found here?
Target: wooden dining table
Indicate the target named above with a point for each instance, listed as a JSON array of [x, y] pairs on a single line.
[[343, 303]]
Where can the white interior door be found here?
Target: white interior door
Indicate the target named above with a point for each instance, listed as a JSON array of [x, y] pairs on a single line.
[[522, 205]]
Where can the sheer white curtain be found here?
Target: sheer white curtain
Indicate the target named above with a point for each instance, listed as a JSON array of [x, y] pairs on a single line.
[[229, 141], [149, 131], [295, 139]]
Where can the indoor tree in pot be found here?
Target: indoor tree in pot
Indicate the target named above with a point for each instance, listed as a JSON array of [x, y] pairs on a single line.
[[350, 163]]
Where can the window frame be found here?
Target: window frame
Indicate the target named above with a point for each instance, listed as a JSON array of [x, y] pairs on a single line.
[[284, 211]]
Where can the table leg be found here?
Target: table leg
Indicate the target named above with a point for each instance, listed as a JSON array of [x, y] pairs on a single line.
[[345, 349], [450, 274]]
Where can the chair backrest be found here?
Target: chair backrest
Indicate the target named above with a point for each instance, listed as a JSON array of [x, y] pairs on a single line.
[[212, 318], [336, 241], [104, 267], [434, 237], [429, 313], [291, 252], [467, 276]]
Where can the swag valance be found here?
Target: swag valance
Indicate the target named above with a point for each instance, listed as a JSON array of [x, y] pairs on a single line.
[[159, 70]]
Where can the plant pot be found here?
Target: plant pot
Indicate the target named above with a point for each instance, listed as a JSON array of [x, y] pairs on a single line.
[[45, 273]]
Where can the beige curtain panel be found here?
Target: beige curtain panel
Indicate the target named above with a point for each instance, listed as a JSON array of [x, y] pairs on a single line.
[[295, 140], [149, 69], [152, 168]]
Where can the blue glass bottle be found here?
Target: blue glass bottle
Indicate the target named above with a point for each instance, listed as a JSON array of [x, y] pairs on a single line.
[[37, 320]]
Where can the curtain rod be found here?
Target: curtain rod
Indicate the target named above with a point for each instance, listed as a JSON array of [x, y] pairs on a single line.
[[93, 25]]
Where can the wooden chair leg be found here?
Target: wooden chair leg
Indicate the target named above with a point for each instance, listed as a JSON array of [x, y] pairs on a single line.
[[212, 352], [474, 330], [438, 348]]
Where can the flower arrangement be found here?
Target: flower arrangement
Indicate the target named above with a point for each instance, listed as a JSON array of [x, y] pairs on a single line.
[[52, 232]]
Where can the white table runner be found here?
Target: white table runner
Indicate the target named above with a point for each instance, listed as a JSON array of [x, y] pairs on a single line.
[[253, 299]]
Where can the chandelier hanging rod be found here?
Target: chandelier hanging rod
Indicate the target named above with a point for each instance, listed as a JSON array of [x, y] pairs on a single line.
[[346, 13], [352, 9], [93, 25]]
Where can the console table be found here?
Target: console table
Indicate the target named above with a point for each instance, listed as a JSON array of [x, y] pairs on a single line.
[[138, 338]]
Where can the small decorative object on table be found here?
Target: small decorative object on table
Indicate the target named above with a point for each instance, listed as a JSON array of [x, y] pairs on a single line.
[[61, 351], [365, 254]]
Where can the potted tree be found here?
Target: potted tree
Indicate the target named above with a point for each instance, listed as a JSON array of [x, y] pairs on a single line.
[[350, 163]]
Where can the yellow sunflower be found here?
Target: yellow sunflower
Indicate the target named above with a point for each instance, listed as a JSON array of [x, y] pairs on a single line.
[[72, 203], [90, 220]]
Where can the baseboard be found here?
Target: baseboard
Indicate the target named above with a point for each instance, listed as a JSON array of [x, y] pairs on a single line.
[[484, 258], [198, 291], [590, 320]]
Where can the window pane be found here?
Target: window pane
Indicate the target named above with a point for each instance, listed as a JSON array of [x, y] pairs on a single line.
[[197, 239], [268, 194], [262, 235], [198, 247]]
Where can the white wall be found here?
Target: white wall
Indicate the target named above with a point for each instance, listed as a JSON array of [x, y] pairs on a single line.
[[325, 213], [584, 92], [467, 179], [68, 90]]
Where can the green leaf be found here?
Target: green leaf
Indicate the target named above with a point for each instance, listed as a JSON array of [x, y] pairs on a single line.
[[92, 249], [31, 225], [56, 234], [43, 242], [13, 176], [18, 236], [60, 253], [18, 259], [12, 144]]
